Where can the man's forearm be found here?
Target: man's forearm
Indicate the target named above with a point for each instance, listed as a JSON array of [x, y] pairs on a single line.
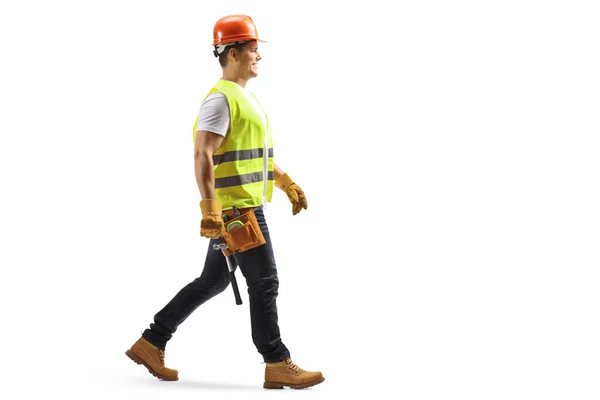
[[277, 171], [205, 176]]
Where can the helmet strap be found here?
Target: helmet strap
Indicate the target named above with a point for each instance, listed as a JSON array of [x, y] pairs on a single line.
[[220, 48]]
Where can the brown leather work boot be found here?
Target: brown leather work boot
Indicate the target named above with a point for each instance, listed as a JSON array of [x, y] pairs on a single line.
[[153, 358], [286, 373]]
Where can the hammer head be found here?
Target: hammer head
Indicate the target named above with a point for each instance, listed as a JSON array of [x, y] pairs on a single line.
[[220, 246]]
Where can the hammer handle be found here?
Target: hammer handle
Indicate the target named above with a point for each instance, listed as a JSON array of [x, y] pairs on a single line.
[[236, 291]]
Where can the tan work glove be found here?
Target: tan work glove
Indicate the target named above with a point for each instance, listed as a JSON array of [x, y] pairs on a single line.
[[211, 225], [294, 193]]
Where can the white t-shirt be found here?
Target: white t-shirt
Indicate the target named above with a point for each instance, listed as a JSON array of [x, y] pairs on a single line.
[[214, 114], [214, 117]]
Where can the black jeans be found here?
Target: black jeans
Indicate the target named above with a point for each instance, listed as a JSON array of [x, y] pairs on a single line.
[[258, 267]]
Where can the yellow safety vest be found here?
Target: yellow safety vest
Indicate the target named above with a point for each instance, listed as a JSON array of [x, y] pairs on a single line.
[[246, 153]]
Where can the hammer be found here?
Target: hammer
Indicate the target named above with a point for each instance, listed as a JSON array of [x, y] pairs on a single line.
[[236, 292]]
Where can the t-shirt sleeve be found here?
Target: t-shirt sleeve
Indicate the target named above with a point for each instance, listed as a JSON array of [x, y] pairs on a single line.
[[214, 114]]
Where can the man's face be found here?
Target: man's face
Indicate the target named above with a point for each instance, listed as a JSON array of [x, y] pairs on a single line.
[[248, 61]]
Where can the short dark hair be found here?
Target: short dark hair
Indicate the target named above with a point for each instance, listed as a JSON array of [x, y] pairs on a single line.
[[223, 56]]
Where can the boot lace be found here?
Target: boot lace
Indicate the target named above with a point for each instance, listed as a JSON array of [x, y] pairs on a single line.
[[291, 365], [161, 356]]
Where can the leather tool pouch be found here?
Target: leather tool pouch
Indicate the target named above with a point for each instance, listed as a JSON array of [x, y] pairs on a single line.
[[243, 237]]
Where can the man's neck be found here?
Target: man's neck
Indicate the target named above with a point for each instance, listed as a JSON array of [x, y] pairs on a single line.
[[234, 78]]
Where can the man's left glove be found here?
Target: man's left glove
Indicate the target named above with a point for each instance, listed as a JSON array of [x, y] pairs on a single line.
[[211, 225], [294, 193]]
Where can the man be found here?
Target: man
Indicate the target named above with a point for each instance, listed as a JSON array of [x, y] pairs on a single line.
[[234, 167]]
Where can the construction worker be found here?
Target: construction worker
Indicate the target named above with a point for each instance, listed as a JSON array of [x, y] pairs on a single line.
[[234, 167]]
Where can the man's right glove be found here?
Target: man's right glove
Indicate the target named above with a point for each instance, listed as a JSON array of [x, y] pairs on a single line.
[[294, 193], [211, 225]]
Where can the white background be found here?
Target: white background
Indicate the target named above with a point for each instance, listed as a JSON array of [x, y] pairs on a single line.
[[448, 150]]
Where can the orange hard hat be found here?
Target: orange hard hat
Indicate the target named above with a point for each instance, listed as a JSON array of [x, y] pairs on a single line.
[[235, 28]]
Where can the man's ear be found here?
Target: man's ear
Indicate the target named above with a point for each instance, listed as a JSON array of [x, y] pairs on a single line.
[[234, 54]]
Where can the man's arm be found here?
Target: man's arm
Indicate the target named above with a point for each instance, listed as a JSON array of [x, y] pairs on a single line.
[[205, 146], [277, 172]]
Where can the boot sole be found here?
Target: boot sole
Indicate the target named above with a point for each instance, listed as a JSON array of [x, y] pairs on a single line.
[[279, 385], [139, 361]]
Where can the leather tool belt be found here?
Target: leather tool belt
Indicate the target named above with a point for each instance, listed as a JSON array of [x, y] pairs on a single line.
[[242, 232]]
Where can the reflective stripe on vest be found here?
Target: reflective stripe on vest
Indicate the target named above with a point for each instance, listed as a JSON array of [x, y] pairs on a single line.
[[240, 179], [240, 155], [239, 164]]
